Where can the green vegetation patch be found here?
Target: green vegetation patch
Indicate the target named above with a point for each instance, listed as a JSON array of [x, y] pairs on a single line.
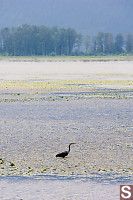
[[61, 84], [67, 58]]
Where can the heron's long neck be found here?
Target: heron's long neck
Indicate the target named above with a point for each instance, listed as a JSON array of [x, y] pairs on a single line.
[[69, 148]]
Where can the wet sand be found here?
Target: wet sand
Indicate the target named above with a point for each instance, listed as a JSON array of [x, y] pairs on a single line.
[[37, 123], [33, 132]]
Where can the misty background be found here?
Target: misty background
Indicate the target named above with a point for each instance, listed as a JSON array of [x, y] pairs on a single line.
[[86, 16]]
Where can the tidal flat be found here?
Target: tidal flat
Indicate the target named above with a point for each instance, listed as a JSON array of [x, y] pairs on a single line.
[[33, 132], [44, 109]]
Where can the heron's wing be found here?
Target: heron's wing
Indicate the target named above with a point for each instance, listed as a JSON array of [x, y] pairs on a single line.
[[63, 154]]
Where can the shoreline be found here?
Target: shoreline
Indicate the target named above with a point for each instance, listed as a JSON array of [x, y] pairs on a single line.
[[104, 179], [67, 58]]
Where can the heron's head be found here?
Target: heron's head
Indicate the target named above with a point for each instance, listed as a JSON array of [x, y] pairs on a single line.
[[72, 143]]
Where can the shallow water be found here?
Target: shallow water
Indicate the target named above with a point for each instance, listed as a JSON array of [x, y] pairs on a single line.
[[54, 188], [66, 70]]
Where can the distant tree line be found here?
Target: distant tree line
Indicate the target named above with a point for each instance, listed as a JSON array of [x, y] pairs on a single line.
[[34, 40], [27, 40], [105, 44]]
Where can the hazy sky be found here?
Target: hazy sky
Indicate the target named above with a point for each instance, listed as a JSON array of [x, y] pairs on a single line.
[[86, 16]]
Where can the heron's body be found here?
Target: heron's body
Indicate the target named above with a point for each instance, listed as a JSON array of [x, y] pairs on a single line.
[[65, 153]]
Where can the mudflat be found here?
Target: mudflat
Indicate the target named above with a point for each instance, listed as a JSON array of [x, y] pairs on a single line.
[[33, 132], [41, 113]]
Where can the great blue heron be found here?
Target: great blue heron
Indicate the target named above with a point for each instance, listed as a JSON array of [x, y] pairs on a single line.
[[65, 153]]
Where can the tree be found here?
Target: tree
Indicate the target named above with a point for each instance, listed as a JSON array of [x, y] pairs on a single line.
[[119, 41], [68, 38], [55, 40], [5, 40], [100, 42], [63, 42], [94, 45], [71, 40], [108, 43], [129, 43], [87, 42], [78, 42]]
